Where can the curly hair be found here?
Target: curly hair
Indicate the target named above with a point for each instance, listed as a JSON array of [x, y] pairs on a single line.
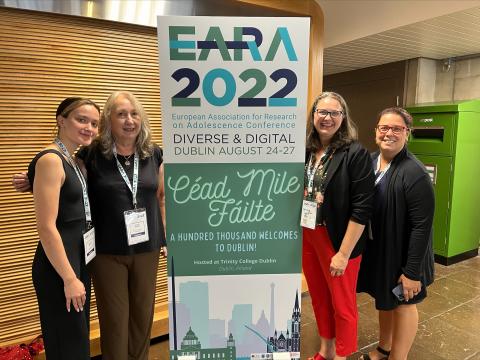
[[144, 145], [346, 134]]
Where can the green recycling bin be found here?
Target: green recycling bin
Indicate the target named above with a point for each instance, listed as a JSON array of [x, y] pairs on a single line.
[[446, 138]]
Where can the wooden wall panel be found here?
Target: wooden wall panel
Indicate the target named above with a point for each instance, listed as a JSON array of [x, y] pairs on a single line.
[[43, 59]]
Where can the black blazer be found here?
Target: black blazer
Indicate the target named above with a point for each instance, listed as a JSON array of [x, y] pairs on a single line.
[[348, 193]]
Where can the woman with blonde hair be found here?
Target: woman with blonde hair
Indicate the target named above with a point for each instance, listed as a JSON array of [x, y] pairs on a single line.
[[125, 178]]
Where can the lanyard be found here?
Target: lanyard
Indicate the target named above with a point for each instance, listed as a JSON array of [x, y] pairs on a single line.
[[83, 182], [380, 174], [312, 169], [133, 188]]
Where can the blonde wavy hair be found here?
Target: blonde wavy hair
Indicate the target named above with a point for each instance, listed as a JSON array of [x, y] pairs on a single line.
[[144, 145]]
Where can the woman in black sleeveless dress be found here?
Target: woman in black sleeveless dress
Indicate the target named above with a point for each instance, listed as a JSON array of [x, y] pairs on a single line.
[[59, 271]]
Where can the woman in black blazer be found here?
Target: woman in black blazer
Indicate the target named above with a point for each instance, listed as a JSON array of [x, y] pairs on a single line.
[[339, 184], [401, 252]]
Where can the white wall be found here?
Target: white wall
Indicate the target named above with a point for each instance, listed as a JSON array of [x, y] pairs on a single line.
[[347, 20], [435, 81]]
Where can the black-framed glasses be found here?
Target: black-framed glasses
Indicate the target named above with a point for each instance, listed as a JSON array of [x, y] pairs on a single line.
[[396, 130], [334, 114]]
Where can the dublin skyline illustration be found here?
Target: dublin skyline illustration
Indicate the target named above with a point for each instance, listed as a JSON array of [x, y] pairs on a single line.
[[192, 324]]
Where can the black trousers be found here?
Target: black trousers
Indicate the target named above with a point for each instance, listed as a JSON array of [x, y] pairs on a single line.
[[65, 334]]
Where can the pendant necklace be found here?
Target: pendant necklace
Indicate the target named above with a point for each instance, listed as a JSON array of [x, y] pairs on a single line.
[[127, 159]]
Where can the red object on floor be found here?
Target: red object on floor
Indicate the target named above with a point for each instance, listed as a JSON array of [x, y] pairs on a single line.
[[317, 356], [22, 351]]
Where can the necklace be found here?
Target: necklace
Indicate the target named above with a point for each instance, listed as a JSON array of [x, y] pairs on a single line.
[[127, 159]]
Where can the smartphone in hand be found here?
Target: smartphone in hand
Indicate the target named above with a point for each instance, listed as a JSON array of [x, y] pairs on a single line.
[[398, 292]]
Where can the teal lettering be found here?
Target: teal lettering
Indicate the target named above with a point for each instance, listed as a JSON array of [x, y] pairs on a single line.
[[176, 45], [281, 36], [214, 34]]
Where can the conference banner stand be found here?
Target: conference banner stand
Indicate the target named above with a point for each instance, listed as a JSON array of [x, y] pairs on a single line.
[[234, 95]]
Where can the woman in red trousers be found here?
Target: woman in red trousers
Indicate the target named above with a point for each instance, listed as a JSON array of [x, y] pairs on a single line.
[[339, 184]]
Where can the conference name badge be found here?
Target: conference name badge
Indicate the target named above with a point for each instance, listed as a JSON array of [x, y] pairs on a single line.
[[309, 214], [137, 228], [89, 245]]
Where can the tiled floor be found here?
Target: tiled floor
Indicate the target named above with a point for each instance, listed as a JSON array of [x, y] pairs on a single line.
[[449, 326]]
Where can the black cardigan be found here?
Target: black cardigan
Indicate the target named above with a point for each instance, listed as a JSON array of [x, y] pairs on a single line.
[[348, 193], [402, 229], [408, 216]]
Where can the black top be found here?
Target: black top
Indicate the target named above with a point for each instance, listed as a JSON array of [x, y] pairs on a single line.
[[348, 195], [402, 231], [110, 197], [70, 221]]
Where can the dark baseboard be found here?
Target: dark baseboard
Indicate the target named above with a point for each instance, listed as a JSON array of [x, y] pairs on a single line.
[[455, 259]]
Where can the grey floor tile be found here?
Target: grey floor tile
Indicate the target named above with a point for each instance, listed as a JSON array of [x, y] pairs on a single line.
[[465, 317], [473, 263], [369, 311], [456, 292], [474, 357], [445, 340], [470, 277], [435, 305], [364, 298], [418, 352]]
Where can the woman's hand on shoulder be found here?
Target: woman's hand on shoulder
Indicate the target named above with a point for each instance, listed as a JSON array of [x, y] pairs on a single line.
[[75, 294], [410, 287], [164, 251], [20, 182]]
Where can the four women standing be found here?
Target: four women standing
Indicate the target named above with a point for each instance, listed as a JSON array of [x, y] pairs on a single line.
[[125, 175]]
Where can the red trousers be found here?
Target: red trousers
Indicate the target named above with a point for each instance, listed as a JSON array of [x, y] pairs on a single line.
[[333, 298]]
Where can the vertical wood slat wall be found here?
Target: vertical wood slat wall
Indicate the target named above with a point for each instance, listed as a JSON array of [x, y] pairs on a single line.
[[43, 59]]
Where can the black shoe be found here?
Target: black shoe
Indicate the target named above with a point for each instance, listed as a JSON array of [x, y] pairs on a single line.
[[380, 350]]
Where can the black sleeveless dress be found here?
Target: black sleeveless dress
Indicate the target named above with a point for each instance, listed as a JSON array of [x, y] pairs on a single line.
[[66, 334]]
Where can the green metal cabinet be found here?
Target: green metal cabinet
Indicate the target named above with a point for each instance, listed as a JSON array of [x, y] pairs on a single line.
[[446, 138]]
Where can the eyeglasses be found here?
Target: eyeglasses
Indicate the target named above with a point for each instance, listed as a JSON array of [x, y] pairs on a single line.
[[334, 114], [396, 130]]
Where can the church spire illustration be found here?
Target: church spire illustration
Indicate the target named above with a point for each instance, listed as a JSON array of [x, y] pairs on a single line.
[[291, 340]]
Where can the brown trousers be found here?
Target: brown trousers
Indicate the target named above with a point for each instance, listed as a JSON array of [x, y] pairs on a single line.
[[125, 292]]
